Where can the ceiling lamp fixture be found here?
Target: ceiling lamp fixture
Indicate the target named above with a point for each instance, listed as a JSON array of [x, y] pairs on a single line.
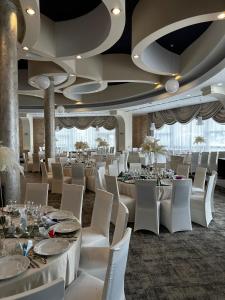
[[30, 11], [221, 16], [115, 11], [158, 86], [178, 77], [219, 84], [199, 121], [136, 56], [172, 86], [78, 57], [60, 109], [25, 48]]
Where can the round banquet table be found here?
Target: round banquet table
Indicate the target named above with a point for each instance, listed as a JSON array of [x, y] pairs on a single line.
[[64, 265], [129, 189]]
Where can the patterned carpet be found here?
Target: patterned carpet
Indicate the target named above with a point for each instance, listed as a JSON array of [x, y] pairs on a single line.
[[185, 265]]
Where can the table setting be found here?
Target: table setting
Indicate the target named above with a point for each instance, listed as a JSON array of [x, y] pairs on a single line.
[[37, 243]]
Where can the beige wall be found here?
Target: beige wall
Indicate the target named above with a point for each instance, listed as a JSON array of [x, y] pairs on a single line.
[[140, 129], [38, 133]]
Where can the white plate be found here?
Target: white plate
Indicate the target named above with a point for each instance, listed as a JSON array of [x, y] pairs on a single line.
[[66, 226], [51, 246], [14, 265], [61, 215]]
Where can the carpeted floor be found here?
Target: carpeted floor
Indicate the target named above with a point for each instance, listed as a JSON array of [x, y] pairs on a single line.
[[183, 265]]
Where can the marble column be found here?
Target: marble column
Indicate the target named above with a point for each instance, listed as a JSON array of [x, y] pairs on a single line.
[[9, 131], [49, 119]]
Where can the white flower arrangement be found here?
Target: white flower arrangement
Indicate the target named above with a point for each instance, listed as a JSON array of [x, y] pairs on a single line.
[[199, 140], [101, 142], [152, 145], [81, 145], [8, 160]]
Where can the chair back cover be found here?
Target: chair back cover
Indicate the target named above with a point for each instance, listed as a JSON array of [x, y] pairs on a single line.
[[121, 163], [37, 193], [210, 190], [183, 170], [51, 161], [181, 193], [199, 179], [44, 172], [114, 280], [121, 223], [52, 290], [146, 194], [195, 156], [36, 162], [101, 214], [175, 160], [72, 199], [78, 171], [113, 169], [135, 166], [112, 187], [213, 161], [205, 159], [57, 171], [100, 178], [63, 160]]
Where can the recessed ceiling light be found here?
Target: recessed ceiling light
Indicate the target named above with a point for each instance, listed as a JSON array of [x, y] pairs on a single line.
[[188, 95], [156, 83], [136, 56], [25, 48], [115, 11], [178, 77], [219, 84], [30, 11], [158, 86], [78, 57], [221, 16], [72, 75], [173, 74]]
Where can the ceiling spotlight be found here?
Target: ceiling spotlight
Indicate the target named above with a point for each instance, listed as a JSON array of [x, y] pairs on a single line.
[[136, 56], [156, 83], [30, 11], [72, 75], [172, 86], [25, 48], [221, 16], [188, 95], [60, 109], [178, 77], [158, 86], [219, 84], [115, 11], [78, 57]]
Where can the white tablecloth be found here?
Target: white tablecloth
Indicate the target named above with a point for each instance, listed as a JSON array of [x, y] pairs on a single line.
[[163, 192], [64, 265]]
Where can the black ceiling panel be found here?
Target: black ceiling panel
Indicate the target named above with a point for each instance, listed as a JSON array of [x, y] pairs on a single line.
[[62, 10], [177, 41]]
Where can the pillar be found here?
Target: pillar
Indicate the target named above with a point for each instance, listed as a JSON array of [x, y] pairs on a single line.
[[9, 132], [49, 119]]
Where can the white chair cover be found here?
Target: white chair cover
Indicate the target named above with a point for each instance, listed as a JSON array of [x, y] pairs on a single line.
[[45, 176], [51, 161], [97, 234], [183, 170], [72, 199], [147, 207], [199, 180], [121, 163], [213, 161], [194, 161], [201, 212], [135, 166], [36, 163], [175, 160], [58, 178], [100, 178], [37, 193], [78, 174], [113, 170], [134, 157], [52, 290], [205, 160], [175, 213], [63, 160]]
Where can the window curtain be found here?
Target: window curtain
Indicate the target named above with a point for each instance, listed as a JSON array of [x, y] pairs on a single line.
[[184, 115], [107, 122]]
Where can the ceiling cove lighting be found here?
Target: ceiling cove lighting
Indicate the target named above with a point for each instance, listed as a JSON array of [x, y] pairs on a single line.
[[221, 16], [25, 48], [30, 11], [78, 57], [116, 11], [136, 56]]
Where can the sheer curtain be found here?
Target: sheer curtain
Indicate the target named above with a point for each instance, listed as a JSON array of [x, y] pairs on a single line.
[[181, 137], [66, 138]]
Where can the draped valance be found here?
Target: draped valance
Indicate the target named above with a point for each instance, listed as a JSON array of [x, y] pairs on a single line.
[[184, 115], [108, 122]]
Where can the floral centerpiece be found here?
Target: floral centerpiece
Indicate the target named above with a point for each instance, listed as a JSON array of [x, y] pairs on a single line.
[[151, 145], [101, 143], [199, 140], [81, 145]]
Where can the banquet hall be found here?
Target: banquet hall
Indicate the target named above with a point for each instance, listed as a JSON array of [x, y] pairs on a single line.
[[112, 149]]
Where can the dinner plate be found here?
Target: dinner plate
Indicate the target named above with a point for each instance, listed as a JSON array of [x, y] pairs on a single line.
[[66, 226], [52, 246], [61, 215], [13, 265]]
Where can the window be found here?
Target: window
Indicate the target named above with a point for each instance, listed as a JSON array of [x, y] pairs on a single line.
[[181, 136], [66, 138]]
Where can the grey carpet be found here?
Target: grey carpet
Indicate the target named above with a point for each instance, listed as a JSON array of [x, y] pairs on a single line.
[[183, 265]]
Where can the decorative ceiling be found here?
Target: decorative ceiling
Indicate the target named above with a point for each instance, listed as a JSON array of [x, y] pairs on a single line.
[[103, 60]]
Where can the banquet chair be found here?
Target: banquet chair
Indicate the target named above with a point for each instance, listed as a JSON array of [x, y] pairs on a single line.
[[175, 160], [37, 193], [78, 174], [36, 163], [45, 176], [126, 154], [121, 163], [51, 290], [88, 287], [212, 196], [199, 180], [134, 157], [97, 234], [183, 170], [112, 187], [135, 166], [147, 210], [221, 154], [205, 160], [28, 164], [175, 214], [113, 170], [72, 199], [58, 178], [201, 212], [51, 161], [94, 260], [213, 161], [195, 156], [63, 160], [100, 178]]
